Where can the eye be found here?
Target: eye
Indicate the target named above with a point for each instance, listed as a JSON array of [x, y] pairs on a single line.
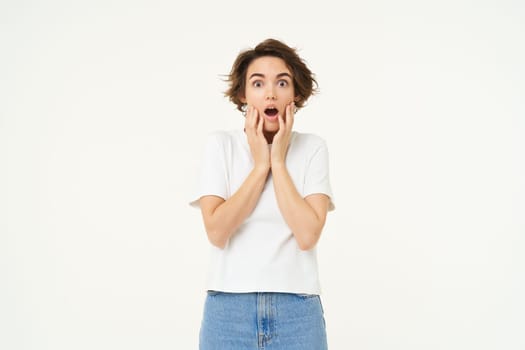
[[282, 83], [257, 83]]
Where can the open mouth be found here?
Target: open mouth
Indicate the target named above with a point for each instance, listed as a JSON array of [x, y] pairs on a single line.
[[271, 112]]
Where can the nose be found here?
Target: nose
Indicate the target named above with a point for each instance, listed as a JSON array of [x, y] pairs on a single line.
[[270, 95]]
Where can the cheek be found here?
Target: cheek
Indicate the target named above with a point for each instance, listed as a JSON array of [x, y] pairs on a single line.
[[289, 95], [252, 95]]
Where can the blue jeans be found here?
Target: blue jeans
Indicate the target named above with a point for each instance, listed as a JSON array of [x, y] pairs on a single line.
[[269, 321]]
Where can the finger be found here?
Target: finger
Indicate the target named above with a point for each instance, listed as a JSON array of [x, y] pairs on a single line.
[[254, 118], [282, 125], [292, 114], [246, 115], [260, 125], [289, 116], [250, 119]]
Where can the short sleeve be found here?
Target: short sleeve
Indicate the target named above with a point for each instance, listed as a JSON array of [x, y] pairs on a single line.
[[213, 175], [317, 178]]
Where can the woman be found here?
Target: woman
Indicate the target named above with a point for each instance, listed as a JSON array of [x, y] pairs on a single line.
[[264, 195]]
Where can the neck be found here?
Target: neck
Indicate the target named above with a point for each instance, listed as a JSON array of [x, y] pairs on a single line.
[[269, 136]]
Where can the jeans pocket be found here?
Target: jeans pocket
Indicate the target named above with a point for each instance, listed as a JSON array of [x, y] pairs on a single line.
[[212, 293]]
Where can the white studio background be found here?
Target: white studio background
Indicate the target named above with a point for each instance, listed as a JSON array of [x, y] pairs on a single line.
[[104, 106]]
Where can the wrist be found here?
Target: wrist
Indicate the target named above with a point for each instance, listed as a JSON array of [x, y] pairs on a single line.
[[278, 165], [262, 169]]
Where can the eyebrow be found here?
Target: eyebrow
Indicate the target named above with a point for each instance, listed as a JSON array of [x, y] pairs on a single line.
[[284, 74]]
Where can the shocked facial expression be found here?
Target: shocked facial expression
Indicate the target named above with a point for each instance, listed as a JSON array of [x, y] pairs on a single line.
[[269, 88]]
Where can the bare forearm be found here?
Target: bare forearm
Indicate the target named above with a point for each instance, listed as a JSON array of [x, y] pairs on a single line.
[[228, 216], [302, 219]]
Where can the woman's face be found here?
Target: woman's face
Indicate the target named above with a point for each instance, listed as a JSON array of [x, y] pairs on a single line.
[[269, 88]]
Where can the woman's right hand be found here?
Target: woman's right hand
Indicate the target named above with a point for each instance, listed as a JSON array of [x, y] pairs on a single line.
[[253, 127]]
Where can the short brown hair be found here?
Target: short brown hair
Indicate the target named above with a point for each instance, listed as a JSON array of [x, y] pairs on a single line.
[[304, 82]]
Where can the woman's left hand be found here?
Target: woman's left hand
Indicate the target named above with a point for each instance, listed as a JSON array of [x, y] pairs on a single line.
[[281, 140]]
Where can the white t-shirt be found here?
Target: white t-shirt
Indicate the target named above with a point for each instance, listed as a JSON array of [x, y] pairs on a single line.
[[263, 255]]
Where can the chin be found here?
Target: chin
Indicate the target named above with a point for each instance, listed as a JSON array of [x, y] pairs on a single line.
[[271, 130]]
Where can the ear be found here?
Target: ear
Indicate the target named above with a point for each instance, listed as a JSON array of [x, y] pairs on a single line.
[[297, 98], [242, 99]]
